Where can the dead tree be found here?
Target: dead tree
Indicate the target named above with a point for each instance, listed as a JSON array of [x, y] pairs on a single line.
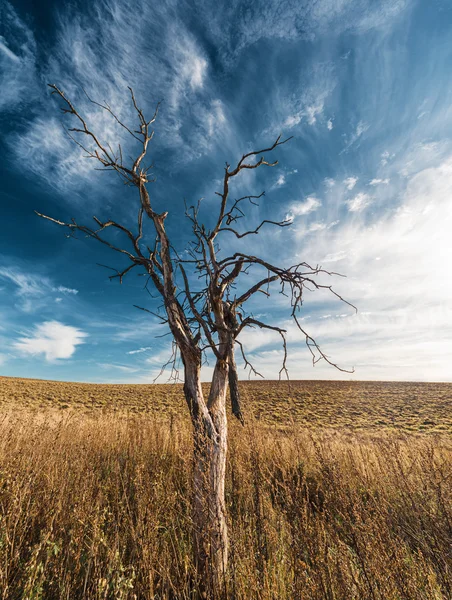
[[206, 316]]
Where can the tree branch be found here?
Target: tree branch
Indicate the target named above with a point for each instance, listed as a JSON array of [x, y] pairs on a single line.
[[285, 223]]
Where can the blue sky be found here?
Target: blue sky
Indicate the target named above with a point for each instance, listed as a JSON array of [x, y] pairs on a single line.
[[365, 89]]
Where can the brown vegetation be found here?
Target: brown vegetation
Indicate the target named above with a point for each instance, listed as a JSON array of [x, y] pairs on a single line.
[[95, 504], [408, 406]]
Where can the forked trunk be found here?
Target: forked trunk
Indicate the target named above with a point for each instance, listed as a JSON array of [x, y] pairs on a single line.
[[209, 470]]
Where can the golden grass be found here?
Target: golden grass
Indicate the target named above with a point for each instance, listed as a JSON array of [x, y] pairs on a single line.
[[95, 504], [340, 404]]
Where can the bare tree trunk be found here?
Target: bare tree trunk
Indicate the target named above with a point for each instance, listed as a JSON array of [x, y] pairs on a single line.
[[234, 387], [209, 470]]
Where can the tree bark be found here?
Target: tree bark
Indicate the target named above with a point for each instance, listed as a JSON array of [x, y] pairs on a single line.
[[209, 470], [234, 387]]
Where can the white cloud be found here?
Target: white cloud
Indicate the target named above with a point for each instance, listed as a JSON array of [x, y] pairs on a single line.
[[304, 208], [282, 179], [317, 227], [379, 182], [320, 226], [140, 350], [52, 339], [329, 124], [330, 182], [187, 64], [215, 118], [350, 182], [158, 359], [195, 71], [4, 48], [359, 202], [115, 366], [255, 338], [386, 156], [17, 61], [313, 111], [237, 29], [119, 43], [335, 256], [404, 303], [304, 101], [310, 112], [51, 154], [27, 283], [97, 51], [32, 289], [65, 290], [361, 128], [430, 146], [138, 330], [397, 269]]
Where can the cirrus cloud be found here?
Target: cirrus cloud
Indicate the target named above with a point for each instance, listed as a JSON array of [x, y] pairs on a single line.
[[304, 208], [359, 202]]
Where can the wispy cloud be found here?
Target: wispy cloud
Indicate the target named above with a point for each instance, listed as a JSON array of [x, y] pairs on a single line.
[[99, 53], [309, 205], [379, 182], [118, 367], [31, 289], [236, 30], [386, 156], [215, 118], [350, 182], [307, 106], [310, 112], [17, 61], [320, 226], [52, 339], [283, 179], [140, 350], [7, 52], [404, 302], [359, 202], [356, 135], [135, 330], [65, 290], [280, 181]]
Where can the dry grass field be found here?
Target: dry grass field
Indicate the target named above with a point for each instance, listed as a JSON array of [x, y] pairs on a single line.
[[339, 404], [335, 491]]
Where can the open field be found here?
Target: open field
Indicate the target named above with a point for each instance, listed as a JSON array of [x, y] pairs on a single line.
[[357, 405], [350, 498]]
